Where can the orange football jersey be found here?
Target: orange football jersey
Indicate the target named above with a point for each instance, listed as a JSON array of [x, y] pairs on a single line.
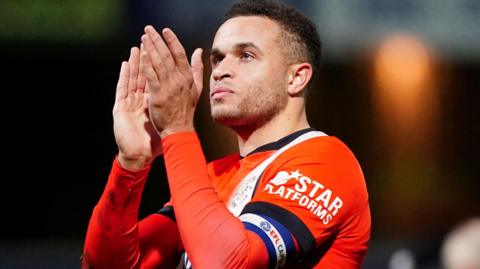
[[310, 204]]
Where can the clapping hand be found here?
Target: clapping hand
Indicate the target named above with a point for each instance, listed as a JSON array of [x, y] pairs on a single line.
[[137, 140], [175, 85]]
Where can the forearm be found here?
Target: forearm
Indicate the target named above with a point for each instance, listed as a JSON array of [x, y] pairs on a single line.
[[112, 238], [212, 236]]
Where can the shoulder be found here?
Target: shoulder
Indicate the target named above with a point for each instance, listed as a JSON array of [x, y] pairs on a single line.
[[324, 156], [317, 191], [320, 149], [321, 169]]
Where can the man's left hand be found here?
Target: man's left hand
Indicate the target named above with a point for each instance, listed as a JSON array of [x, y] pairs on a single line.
[[175, 85]]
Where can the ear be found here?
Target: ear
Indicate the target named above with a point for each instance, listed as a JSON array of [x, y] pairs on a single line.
[[298, 77]]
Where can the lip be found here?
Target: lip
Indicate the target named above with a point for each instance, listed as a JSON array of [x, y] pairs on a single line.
[[219, 92]]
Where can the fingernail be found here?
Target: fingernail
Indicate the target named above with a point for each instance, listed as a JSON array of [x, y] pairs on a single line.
[[167, 31]]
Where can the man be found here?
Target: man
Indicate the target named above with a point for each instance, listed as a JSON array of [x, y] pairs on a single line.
[[293, 197]]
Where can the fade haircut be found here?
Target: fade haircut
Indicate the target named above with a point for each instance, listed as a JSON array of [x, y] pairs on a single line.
[[299, 35]]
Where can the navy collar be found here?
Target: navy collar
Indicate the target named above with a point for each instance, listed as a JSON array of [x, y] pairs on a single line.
[[281, 142]]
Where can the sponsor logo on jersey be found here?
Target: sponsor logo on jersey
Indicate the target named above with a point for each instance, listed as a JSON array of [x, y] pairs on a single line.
[[307, 192], [272, 233], [265, 226]]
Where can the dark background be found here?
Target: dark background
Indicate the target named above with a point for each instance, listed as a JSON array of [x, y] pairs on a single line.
[[58, 90]]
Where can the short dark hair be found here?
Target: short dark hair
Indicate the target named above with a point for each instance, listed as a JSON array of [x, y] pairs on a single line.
[[300, 34]]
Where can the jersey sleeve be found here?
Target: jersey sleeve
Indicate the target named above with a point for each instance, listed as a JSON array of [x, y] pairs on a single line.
[[211, 235], [113, 229], [116, 239], [313, 196]]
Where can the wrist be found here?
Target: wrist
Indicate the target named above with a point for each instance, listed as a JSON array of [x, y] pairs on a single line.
[[133, 163], [183, 129]]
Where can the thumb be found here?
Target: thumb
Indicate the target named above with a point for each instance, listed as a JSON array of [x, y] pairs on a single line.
[[197, 69]]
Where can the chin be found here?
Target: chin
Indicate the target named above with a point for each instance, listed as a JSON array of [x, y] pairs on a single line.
[[227, 116], [224, 118]]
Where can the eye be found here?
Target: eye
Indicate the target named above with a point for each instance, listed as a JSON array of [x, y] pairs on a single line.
[[215, 60], [246, 56]]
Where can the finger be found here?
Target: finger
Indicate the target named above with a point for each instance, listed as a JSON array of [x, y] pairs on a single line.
[[155, 59], [160, 47], [197, 69], [146, 69], [133, 62], [141, 80], [147, 88], [122, 84], [146, 98], [177, 50]]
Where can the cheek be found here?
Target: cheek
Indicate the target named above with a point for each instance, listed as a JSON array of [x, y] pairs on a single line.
[[271, 82], [270, 73], [259, 77]]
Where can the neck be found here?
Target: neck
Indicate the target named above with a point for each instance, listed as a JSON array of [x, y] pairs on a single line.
[[283, 124]]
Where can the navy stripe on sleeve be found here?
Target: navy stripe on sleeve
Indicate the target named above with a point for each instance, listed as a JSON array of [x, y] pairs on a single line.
[[286, 236], [277, 238], [272, 256], [294, 225]]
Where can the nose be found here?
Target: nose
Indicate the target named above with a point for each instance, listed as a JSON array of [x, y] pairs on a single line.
[[222, 70]]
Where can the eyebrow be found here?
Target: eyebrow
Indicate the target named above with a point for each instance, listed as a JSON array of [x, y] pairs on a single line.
[[239, 46]]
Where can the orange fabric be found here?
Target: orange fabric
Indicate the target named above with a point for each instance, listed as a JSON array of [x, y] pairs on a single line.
[[318, 181], [115, 239], [332, 179], [160, 243], [321, 183], [211, 235]]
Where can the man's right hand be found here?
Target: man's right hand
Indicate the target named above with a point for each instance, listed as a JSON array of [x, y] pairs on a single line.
[[137, 140]]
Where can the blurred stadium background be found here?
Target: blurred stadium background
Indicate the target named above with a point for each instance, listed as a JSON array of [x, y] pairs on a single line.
[[400, 85]]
